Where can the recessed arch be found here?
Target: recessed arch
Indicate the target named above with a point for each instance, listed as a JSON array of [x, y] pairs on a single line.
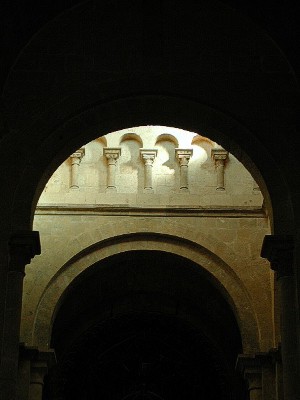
[[131, 136], [167, 137]]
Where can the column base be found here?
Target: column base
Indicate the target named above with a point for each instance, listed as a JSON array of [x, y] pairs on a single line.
[[111, 189], [148, 190], [184, 190]]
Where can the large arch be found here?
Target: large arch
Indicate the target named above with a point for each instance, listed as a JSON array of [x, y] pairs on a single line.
[[140, 294], [221, 274]]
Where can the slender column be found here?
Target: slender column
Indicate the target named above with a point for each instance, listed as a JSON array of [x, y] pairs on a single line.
[[23, 247], [278, 249], [183, 156], [220, 156], [75, 162], [112, 155], [148, 156]]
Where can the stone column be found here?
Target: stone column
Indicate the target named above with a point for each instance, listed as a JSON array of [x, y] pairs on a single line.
[[148, 156], [112, 155], [278, 249], [75, 162], [23, 246], [220, 156], [183, 156]]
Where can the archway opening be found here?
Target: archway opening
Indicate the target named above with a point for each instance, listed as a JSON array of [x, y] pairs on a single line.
[[143, 325]]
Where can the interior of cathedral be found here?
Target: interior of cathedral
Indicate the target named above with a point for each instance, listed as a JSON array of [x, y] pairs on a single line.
[[149, 234]]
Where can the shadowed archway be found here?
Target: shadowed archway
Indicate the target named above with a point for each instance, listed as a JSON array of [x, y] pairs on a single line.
[[118, 335]]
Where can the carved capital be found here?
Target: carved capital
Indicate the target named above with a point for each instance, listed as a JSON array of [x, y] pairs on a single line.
[[250, 367], [219, 156], [278, 250], [247, 363], [40, 362], [183, 156], [112, 153], [148, 155], [78, 154], [23, 246]]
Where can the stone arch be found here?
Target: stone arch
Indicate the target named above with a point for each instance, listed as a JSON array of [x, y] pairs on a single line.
[[220, 272]]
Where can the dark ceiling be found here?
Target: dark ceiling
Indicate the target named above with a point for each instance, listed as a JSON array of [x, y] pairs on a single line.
[[21, 19]]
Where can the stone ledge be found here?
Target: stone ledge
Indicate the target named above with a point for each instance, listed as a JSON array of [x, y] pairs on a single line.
[[125, 209]]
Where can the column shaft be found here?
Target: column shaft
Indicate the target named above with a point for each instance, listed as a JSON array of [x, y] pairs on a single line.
[[38, 371], [183, 156], [278, 249], [148, 175], [220, 175], [74, 173], [111, 174], [288, 336], [23, 246], [75, 162], [10, 353], [220, 156], [112, 155], [148, 156]]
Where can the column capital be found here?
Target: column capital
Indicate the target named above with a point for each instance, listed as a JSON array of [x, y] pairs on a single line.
[[40, 361], [278, 250], [219, 154], [23, 246], [112, 153], [250, 367], [252, 363], [78, 153], [148, 155], [183, 155]]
